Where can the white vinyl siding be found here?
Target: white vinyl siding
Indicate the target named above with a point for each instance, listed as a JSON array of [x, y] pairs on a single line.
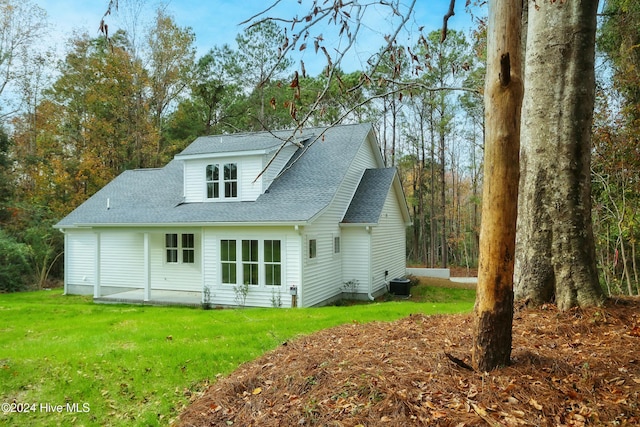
[[249, 170], [388, 244], [195, 179], [179, 276], [323, 276], [80, 255], [356, 251], [260, 294], [121, 259]]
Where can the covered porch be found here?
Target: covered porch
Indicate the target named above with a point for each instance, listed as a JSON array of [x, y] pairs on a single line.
[[156, 297]]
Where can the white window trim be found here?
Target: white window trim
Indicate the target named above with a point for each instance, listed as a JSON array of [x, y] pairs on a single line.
[[220, 261], [338, 252], [221, 182], [307, 249], [265, 263], [262, 278], [180, 249]]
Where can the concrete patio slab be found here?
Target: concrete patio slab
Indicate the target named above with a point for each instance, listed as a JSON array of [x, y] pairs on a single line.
[[157, 297]]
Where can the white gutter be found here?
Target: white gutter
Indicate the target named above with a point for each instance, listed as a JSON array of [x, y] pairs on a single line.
[[183, 224]]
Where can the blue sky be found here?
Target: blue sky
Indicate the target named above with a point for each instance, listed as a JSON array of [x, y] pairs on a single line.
[[216, 22]]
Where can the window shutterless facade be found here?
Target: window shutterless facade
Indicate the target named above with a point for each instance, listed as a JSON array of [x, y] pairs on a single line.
[[188, 249], [228, 261], [251, 262], [313, 248], [272, 263], [222, 185], [180, 250], [171, 246], [213, 181]]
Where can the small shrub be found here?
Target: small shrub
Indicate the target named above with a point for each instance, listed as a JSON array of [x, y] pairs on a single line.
[[276, 299], [413, 280], [241, 291], [206, 298]]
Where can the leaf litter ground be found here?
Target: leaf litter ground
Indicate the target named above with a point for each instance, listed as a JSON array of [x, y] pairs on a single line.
[[575, 368]]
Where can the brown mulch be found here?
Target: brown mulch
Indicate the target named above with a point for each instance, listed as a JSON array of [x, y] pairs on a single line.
[[576, 368]]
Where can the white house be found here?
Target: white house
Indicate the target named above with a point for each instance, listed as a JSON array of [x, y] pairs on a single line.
[[324, 212]]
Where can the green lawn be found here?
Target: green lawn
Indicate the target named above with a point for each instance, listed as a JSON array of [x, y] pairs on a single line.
[[68, 361]]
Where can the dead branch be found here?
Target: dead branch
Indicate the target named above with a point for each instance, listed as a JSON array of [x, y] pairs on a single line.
[[445, 21], [458, 362]]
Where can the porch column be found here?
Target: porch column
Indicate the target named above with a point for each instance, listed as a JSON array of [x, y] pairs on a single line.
[[96, 268], [65, 260], [147, 271], [202, 269]]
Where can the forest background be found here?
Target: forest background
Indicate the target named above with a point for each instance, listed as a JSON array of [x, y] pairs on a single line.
[[136, 98]]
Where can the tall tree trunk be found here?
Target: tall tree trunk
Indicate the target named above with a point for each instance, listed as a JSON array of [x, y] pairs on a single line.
[[625, 266], [443, 200], [432, 202], [503, 100], [556, 250]]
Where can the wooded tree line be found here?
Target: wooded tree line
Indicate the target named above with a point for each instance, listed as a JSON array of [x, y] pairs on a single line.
[[616, 161], [129, 102]]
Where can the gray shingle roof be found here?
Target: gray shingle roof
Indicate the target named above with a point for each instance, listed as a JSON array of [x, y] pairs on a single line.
[[243, 142], [154, 196], [368, 200]]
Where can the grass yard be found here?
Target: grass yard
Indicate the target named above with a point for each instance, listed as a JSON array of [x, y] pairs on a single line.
[[67, 361]]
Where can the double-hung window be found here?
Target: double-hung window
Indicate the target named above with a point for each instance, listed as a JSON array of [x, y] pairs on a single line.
[[171, 245], [188, 249], [250, 262], [230, 180], [272, 263], [228, 261], [213, 182], [180, 250], [222, 185]]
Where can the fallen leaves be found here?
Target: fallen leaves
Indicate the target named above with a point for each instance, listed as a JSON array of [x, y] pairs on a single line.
[[568, 370], [535, 404]]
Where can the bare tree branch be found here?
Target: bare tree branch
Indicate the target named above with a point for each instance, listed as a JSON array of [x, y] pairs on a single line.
[[104, 27], [445, 21], [275, 3], [348, 17]]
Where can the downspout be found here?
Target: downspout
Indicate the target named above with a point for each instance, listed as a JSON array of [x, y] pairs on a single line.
[[370, 269]]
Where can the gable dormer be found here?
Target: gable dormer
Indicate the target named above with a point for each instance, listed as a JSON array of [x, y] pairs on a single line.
[[232, 167]]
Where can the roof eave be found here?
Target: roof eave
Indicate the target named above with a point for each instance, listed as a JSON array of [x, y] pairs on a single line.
[[358, 224], [183, 224], [221, 154]]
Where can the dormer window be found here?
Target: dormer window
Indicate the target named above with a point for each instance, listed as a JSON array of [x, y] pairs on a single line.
[[227, 181]]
